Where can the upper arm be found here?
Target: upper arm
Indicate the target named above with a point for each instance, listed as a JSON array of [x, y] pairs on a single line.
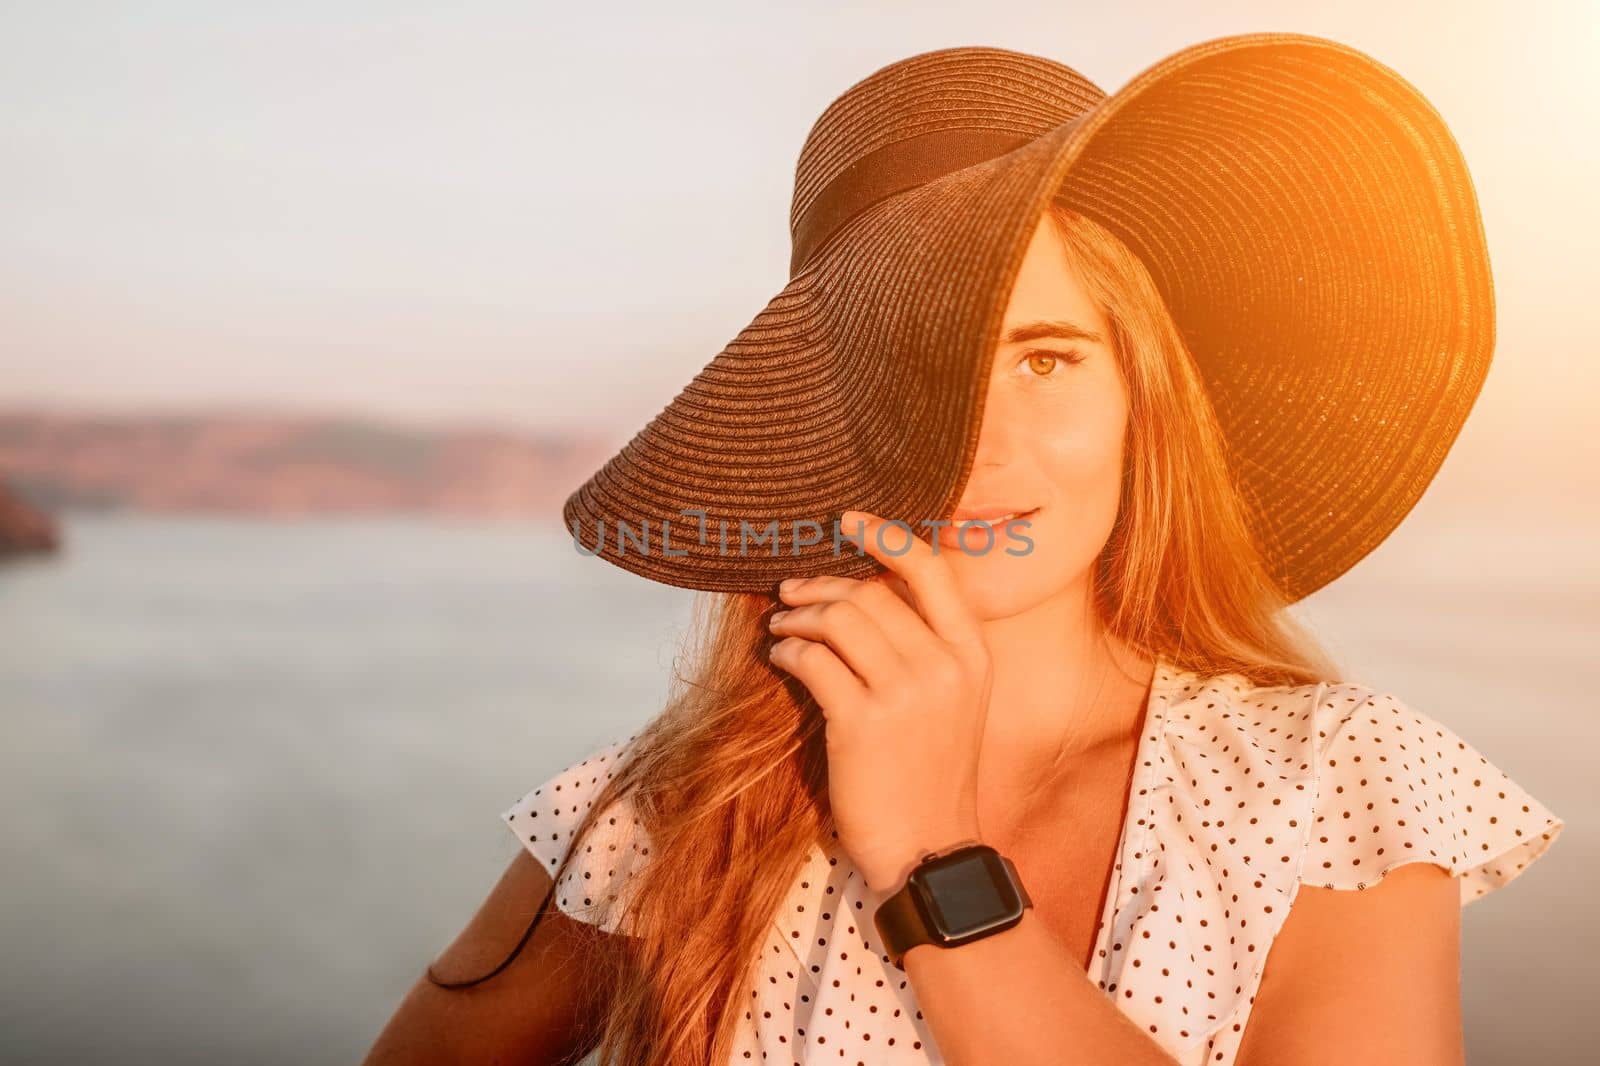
[[1371, 976], [543, 1007]]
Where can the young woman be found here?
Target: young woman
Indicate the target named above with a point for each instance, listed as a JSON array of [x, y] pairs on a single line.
[[1226, 853]]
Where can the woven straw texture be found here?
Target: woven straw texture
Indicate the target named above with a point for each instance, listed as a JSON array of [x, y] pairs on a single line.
[[1305, 212]]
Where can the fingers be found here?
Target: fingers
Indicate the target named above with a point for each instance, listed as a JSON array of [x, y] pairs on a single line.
[[929, 577], [823, 673], [896, 620], [853, 635]]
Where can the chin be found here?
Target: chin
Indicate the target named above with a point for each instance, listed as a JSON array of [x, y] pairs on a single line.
[[997, 585]]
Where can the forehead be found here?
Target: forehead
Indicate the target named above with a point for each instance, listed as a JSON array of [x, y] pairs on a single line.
[[1048, 286]]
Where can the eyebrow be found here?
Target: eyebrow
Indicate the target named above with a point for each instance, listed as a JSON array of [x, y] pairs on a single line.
[[1061, 328]]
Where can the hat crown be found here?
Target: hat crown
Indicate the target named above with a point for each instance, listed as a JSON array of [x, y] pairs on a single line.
[[948, 108]]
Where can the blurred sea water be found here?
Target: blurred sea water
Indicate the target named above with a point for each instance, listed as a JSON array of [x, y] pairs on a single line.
[[252, 770]]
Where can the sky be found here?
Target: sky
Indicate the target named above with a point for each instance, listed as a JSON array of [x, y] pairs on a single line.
[[553, 216]]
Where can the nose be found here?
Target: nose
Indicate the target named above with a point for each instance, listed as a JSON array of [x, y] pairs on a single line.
[[997, 435]]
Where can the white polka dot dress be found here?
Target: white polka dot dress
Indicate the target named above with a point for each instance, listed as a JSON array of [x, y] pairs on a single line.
[[1239, 795], [595, 887]]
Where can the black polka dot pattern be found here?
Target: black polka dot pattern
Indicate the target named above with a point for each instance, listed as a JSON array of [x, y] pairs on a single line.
[[1398, 787], [1240, 794], [595, 887]]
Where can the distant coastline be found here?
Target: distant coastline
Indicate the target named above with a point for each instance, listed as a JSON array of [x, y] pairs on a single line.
[[24, 529], [283, 464]]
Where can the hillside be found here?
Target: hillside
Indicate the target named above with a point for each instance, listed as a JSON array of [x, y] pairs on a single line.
[[267, 464]]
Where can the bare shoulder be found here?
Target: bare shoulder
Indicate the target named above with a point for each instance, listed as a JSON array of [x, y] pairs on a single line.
[[1371, 975], [541, 1004]]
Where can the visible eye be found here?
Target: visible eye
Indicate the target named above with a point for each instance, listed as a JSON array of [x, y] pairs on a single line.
[[1042, 362]]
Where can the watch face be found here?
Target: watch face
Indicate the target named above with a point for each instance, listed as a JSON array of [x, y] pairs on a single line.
[[966, 892]]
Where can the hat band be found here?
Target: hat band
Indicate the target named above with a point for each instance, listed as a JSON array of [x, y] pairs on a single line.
[[892, 169]]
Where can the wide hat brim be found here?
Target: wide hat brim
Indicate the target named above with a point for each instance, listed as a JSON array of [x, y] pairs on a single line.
[[1309, 221]]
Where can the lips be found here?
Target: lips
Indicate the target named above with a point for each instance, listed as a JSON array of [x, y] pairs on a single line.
[[973, 538], [991, 515]]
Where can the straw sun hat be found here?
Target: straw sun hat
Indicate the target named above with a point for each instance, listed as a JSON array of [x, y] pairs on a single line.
[[1304, 211]]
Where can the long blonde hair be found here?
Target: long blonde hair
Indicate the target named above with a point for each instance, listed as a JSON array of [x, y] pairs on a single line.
[[729, 781]]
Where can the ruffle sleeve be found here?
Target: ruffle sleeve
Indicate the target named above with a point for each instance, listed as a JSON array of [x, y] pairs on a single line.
[[596, 887], [1394, 786]]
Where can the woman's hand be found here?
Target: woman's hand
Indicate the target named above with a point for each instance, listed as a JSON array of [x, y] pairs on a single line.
[[903, 678]]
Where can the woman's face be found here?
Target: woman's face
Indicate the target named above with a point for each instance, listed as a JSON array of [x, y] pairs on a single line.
[[1051, 444]]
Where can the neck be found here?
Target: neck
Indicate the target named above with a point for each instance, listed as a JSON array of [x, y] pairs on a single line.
[[1063, 687]]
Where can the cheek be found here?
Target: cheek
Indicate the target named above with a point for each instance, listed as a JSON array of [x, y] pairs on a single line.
[[1075, 457], [1080, 454]]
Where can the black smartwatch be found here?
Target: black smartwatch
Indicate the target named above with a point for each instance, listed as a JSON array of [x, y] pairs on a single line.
[[963, 893]]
